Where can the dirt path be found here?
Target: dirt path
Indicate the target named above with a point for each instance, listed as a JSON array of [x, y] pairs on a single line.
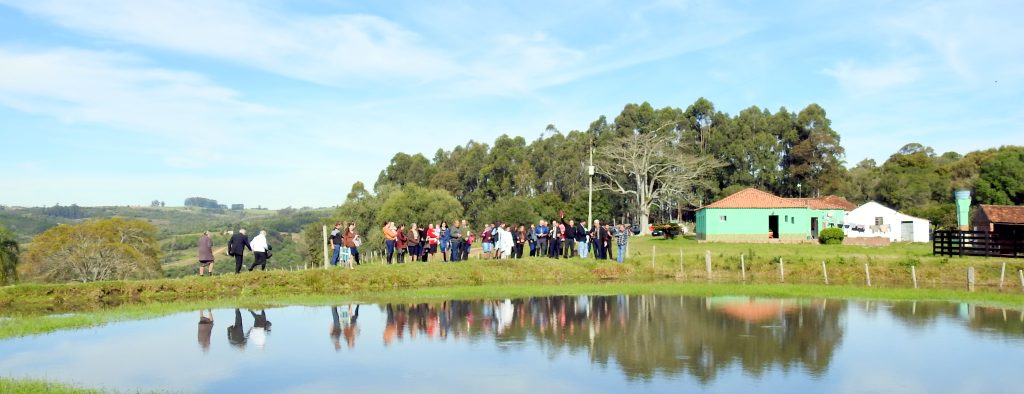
[[192, 259]]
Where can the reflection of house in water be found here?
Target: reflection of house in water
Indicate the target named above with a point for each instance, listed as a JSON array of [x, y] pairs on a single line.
[[752, 309], [644, 335]]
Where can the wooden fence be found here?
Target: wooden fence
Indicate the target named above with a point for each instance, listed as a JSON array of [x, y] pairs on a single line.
[[976, 243]]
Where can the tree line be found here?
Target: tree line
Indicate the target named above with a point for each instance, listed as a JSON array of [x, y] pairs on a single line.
[[787, 153]]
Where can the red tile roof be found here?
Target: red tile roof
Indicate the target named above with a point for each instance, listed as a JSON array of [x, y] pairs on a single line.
[[840, 202], [753, 198], [1004, 213]]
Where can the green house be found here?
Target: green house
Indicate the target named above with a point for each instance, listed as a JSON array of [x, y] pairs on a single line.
[[751, 215]]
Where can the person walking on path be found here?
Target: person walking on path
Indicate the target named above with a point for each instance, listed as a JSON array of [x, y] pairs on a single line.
[[352, 241], [621, 240], [390, 239], [237, 245], [205, 253], [260, 248], [336, 243]]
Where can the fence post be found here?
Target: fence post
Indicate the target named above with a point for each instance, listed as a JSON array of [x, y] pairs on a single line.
[[913, 275], [743, 268], [681, 262], [782, 271], [1021, 272], [325, 245], [867, 274], [707, 262], [1002, 275], [970, 278], [824, 271]]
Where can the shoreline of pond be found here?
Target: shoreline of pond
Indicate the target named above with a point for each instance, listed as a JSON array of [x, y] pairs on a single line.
[[40, 322]]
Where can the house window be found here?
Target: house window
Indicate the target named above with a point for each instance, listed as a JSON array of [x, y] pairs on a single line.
[[722, 218], [878, 221]]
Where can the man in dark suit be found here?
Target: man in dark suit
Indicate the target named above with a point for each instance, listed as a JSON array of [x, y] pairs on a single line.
[[236, 247]]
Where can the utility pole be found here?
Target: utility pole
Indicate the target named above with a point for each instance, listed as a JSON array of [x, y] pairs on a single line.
[[590, 195]]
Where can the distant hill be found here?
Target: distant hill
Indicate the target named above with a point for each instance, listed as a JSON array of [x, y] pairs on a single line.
[[179, 227]]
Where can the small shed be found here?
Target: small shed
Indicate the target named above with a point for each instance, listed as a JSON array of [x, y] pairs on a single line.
[[876, 220], [1001, 219]]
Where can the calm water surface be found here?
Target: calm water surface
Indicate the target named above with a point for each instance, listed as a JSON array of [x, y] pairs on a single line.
[[582, 344]]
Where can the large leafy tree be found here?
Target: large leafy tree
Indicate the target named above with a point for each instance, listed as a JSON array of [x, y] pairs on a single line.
[[8, 256], [407, 169], [910, 178], [814, 157], [103, 249], [1001, 179]]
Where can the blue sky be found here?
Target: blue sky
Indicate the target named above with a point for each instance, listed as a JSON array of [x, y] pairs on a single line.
[[278, 103]]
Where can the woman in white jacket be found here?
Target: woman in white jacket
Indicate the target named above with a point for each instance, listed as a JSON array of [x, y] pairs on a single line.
[[259, 249], [505, 243]]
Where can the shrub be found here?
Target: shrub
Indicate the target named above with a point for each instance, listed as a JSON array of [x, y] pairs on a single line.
[[831, 236]]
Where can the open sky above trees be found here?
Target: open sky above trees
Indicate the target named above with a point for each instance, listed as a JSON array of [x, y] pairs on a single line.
[[283, 104]]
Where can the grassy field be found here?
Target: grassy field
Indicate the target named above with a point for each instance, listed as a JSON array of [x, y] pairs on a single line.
[[939, 278]]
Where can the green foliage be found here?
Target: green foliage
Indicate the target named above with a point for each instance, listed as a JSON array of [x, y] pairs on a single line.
[[548, 206], [911, 178], [514, 211], [102, 249], [414, 204], [1001, 179], [9, 250], [831, 236]]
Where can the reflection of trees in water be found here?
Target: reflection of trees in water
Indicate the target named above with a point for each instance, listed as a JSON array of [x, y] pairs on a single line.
[[644, 335], [987, 320]]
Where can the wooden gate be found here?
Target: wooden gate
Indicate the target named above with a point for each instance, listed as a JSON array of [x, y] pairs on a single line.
[[976, 243]]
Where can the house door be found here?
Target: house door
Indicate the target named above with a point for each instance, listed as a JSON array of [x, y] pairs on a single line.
[[773, 226], [814, 228], [907, 231]]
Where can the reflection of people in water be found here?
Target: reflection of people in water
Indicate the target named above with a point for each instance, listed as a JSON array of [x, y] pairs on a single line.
[[344, 323], [205, 329], [335, 328], [351, 330], [236, 334], [260, 329]]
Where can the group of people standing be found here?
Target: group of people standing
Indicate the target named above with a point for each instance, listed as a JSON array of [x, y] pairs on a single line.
[[567, 239]]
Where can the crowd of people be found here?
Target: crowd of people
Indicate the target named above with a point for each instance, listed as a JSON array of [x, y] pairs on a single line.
[[566, 239]]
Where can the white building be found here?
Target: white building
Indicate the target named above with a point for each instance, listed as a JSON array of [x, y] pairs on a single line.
[[876, 220]]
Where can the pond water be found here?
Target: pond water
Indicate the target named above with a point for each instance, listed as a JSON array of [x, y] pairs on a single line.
[[583, 344]]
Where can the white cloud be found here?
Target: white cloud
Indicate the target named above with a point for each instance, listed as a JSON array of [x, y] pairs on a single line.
[[333, 50], [862, 81], [125, 92]]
